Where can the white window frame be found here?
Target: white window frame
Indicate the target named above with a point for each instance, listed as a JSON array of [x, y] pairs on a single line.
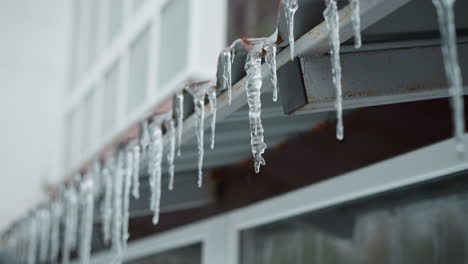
[[210, 233], [202, 58]]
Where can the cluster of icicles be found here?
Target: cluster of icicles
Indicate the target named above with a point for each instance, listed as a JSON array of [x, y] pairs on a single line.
[[37, 239]]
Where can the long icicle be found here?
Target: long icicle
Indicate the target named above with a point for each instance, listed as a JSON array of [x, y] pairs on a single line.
[[136, 171], [446, 20], [45, 232], [117, 206], [180, 119], [290, 7], [213, 107], [126, 193], [253, 67], [71, 223], [145, 138], [199, 102], [170, 128], [332, 19], [106, 206], [57, 212], [356, 18], [270, 60], [227, 60], [87, 209], [155, 171], [33, 240]]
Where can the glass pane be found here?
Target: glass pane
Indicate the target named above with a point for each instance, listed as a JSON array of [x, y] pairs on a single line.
[[174, 40], [425, 223], [115, 18], [109, 114], [68, 141], [92, 33], [138, 80], [184, 255], [137, 4], [88, 120], [75, 135], [76, 20]]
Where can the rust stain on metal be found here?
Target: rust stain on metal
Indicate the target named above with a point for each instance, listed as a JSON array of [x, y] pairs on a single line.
[[320, 126]]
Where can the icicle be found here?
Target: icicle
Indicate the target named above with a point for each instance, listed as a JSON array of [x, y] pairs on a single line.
[[106, 206], [117, 204], [126, 194], [170, 128], [446, 20], [145, 137], [253, 67], [71, 223], [180, 119], [332, 20], [136, 171], [155, 169], [86, 221], [199, 102], [356, 18], [44, 215], [33, 239], [57, 212], [270, 60], [227, 61], [290, 7], [213, 106]]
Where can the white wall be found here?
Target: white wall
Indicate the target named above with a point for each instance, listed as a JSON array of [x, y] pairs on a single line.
[[33, 54]]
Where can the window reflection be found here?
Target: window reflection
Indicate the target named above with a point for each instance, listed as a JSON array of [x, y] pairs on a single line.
[[184, 255], [422, 224]]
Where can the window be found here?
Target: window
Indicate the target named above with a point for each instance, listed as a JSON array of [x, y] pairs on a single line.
[[185, 255], [109, 113], [175, 18], [138, 80]]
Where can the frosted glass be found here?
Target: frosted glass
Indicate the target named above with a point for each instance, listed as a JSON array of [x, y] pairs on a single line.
[[93, 52], [88, 120], [174, 40], [115, 18], [137, 4], [138, 79], [109, 113]]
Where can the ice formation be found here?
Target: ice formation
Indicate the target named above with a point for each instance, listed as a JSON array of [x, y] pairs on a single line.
[[128, 173], [145, 137], [332, 19], [155, 162], [253, 67], [213, 105], [33, 239], [227, 60], [356, 18], [56, 218], [136, 170], [118, 173], [199, 102], [180, 119], [86, 220], [290, 7], [446, 20], [70, 223], [106, 206], [270, 60], [170, 128], [44, 226]]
